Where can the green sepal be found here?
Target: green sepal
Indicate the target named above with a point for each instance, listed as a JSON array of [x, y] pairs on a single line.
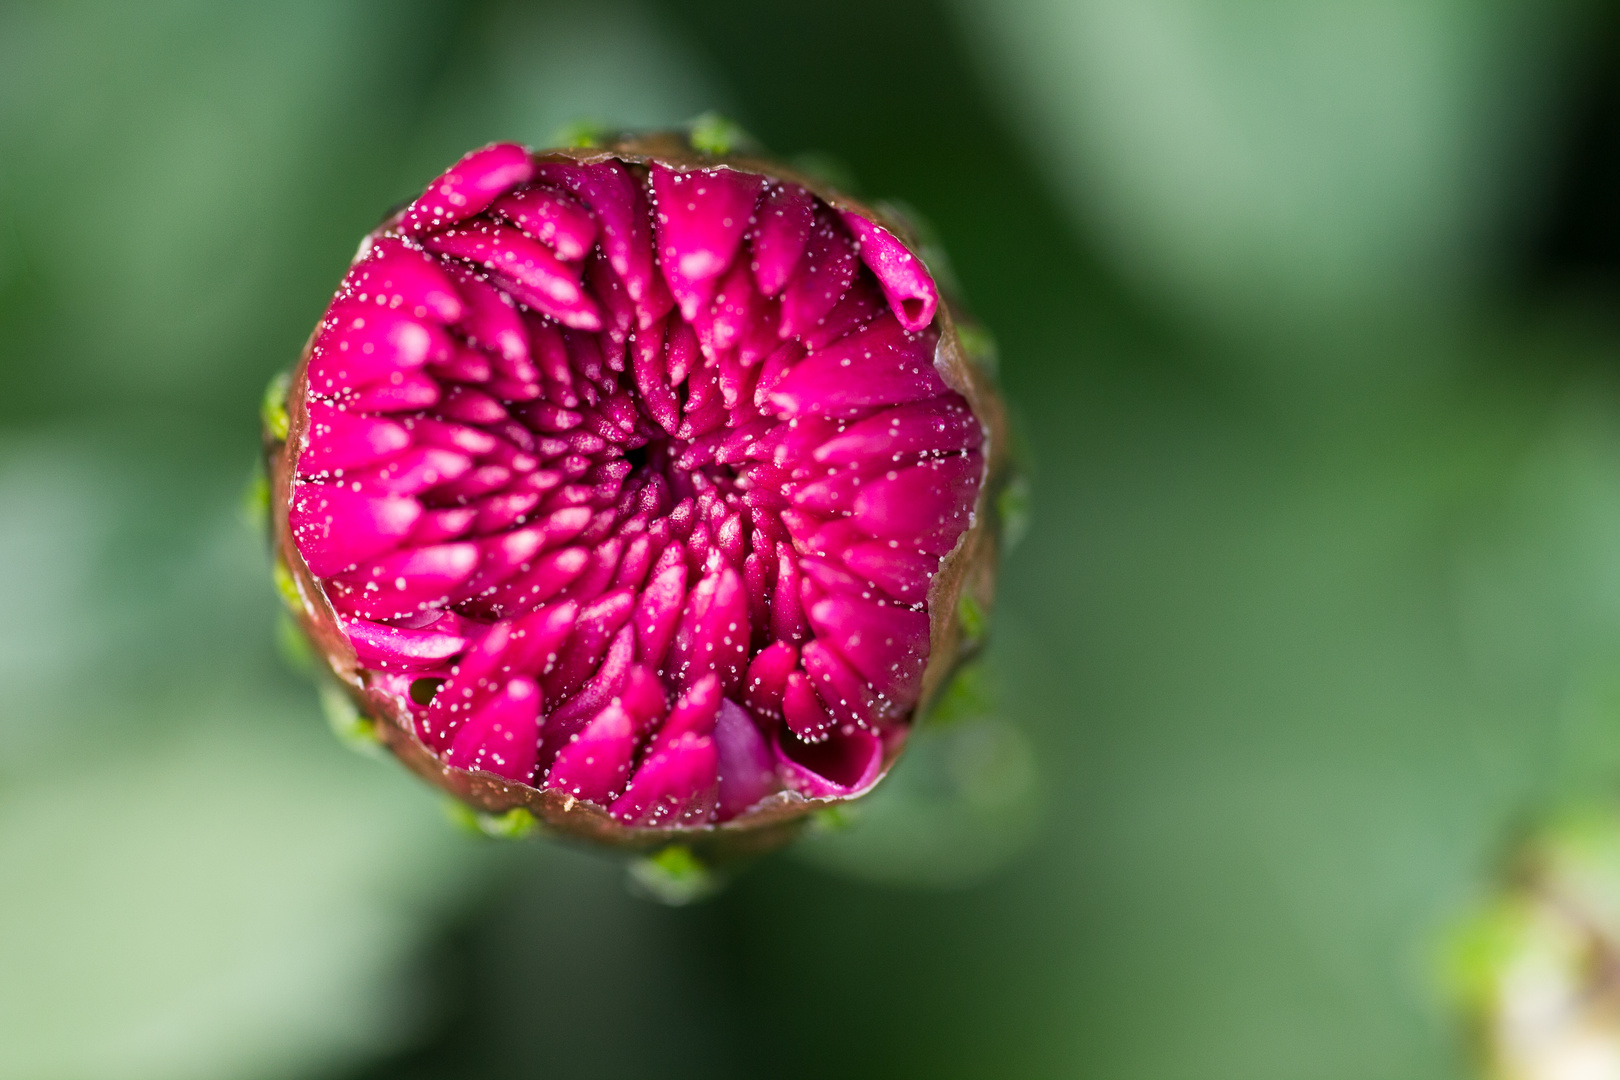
[[968, 696], [292, 644], [255, 503], [286, 586], [980, 346], [1012, 511], [718, 135], [273, 407], [836, 818], [581, 134], [972, 618], [353, 728], [674, 876], [514, 824]]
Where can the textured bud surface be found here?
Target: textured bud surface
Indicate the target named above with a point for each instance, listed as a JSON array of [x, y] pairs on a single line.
[[639, 488]]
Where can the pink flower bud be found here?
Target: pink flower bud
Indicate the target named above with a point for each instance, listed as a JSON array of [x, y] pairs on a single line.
[[641, 489]]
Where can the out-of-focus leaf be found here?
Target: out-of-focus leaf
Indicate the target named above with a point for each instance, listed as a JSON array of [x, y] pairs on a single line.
[[151, 202], [526, 72], [239, 901], [960, 805], [1253, 160]]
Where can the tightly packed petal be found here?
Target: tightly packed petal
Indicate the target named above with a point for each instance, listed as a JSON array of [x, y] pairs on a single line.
[[640, 486]]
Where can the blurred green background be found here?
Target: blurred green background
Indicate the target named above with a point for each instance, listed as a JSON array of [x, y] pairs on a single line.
[[1309, 311]]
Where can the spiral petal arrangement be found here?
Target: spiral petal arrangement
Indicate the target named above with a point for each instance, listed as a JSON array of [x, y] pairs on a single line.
[[627, 479]]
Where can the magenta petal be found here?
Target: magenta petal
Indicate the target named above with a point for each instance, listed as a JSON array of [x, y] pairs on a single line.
[[401, 278], [437, 526], [829, 576], [647, 359], [500, 558], [538, 637], [613, 197], [942, 425], [403, 391], [731, 314], [547, 417], [491, 322], [824, 275], [845, 693], [713, 634], [912, 294], [803, 710], [880, 364], [480, 481], [469, 440], [676, 785], [747, 771], [594, 630], [339, 439], [760, 338], [549, 351], [927, 498], [473, 679], [595, 762], [643, 697], [775, 368], [547, 576], [833, 538], [612, 671], [702, 216], [888, 645], [694, 711], [828, 495], [658, 613], [465, 365], [503, 736], [767, 677], [611, 676], [471, 406], [564, 525], [360, 344], [404, 583], [681, 353], [467, 187], [619, 312], [783, 226], [903, 573], [498, 513], [394, 648], [413, 472], [655, 301], [599, 571], [844, 765], [551, 218], [525, 267], [335, 528], [860, 305]]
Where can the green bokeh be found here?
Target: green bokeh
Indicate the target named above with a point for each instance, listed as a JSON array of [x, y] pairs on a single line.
[[1321, 592]]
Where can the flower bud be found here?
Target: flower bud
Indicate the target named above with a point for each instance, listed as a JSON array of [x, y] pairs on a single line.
[[1534, 966], [640, 488]]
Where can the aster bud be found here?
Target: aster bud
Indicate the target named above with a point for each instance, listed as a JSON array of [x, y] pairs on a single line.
[[641, 489]]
